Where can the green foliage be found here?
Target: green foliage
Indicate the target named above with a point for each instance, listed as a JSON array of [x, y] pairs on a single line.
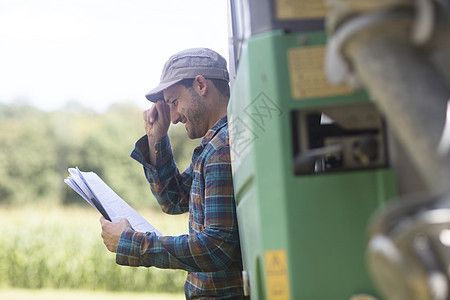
[[58, 249], [37, 148], [41, 249]]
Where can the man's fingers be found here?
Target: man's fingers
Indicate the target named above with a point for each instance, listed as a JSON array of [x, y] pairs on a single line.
[[151, 115], [161, 109], [167, 110], [103, 221], [122, 222], [157, 121], [111, 232]]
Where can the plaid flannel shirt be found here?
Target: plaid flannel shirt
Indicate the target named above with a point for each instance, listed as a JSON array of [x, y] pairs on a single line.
[[210, 252]]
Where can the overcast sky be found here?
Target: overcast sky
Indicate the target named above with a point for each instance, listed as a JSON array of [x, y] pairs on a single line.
[[99, 51]]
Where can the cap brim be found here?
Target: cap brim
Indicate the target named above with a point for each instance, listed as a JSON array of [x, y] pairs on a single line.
[[157, 93]]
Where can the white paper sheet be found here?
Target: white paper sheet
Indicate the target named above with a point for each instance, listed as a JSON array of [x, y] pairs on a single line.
[[89, 185]]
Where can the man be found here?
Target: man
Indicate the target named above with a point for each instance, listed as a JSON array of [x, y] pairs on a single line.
[[193, 90]]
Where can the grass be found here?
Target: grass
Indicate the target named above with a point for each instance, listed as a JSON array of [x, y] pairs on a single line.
[[60, 248]]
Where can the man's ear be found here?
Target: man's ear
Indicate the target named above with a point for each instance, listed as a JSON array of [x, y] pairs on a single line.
[[201, 85]]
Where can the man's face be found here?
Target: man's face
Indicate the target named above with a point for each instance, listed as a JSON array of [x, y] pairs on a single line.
[[187, 107]]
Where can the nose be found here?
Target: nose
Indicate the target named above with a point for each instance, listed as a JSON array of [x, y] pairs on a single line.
[[175, 117]]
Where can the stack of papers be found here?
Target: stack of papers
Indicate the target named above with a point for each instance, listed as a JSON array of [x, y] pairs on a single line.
[[98, 194]]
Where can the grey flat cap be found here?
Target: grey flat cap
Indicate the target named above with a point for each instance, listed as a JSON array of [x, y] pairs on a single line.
[[188, 64]]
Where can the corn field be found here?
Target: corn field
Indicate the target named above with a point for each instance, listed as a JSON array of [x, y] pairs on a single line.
[[61, 248]]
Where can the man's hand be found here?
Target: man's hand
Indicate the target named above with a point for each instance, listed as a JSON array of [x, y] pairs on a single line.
[[157, 121], [111, 232]]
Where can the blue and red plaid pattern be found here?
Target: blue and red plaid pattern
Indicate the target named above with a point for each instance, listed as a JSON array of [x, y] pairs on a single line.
[[210, 252]]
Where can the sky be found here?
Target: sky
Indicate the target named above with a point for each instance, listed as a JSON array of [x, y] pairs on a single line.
[[98, 52]]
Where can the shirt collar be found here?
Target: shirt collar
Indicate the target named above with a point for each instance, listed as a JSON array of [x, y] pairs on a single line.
[[213, 130]]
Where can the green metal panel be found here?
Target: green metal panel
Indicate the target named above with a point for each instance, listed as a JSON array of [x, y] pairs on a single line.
[[318, 221], [327, 225]]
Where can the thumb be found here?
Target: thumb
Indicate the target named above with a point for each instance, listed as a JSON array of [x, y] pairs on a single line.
[[125, 222]]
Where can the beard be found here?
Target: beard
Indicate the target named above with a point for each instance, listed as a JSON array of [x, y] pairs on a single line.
[[196, 117]]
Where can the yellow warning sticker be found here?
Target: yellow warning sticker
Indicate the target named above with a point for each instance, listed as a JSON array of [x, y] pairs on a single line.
[[300, 9], [307, 74], [277, 275]]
